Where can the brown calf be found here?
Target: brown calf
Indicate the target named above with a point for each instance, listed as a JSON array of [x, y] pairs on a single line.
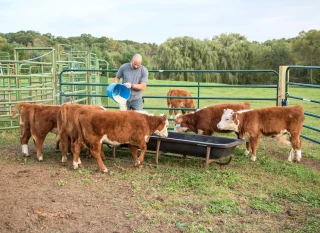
[[205, 120], [36, 120], [115, 128], [67, 131], [271, 121], [179, 103]]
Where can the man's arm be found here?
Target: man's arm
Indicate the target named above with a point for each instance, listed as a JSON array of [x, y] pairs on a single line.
[[116, 79], [139, 87]]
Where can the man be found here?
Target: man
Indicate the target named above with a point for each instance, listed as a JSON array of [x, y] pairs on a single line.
[[135, 77]]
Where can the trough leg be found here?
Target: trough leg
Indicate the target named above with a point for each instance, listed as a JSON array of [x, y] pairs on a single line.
[[157, 151], [114, 151], [207, 158]]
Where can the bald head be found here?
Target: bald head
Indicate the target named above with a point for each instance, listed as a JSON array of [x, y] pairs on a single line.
[[136, 61]]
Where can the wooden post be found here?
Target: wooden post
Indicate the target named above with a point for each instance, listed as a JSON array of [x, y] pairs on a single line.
[[282, 84], [282, 95]]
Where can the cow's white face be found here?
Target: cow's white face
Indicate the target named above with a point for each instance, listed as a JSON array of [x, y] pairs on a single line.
[[177, 124], [227, 121], [164, 131]]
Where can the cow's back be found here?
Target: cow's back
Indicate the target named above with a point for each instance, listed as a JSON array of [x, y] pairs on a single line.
[[272, 120], [120, 126], [178, 103]]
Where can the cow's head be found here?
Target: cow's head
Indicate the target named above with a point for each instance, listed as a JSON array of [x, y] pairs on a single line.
[[179, 124], [162, 129], [228, 120]]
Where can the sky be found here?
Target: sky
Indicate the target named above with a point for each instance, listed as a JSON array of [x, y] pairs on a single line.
[[154, 21]]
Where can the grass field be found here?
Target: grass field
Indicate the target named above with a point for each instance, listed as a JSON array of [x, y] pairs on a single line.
[[308, 93], [269, 195]]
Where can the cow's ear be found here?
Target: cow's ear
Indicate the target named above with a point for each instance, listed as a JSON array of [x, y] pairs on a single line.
[[164, 116], [234, 115], [224, 110]]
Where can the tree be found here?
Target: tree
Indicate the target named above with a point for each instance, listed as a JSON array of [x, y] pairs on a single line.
[[306, 48]]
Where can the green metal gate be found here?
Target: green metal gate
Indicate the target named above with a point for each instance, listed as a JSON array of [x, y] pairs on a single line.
[[309, 103]]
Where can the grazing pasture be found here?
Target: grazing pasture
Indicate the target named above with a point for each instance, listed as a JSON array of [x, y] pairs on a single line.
[[269, 195]]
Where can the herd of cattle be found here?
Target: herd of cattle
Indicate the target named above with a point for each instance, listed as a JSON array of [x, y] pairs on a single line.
[[78, 126]]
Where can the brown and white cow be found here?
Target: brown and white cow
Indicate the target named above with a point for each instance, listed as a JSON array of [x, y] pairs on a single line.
[[205, 120], [115, 128], [36, 120], [271, 121], [67, 131], [179, 103]]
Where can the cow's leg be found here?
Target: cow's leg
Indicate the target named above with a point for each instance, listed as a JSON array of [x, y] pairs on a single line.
[[57, 145], [254, 146], [88, 153], [64, 141], [170, 113], [103, 157], [76, 152], [291, 155], [95, 151], [247, 151], [39, 143], [134, 152], [296, 146], [143, 149], [24, 139]]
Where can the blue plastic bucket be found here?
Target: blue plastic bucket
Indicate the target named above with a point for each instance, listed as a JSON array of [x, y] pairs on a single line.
[[118, 89]]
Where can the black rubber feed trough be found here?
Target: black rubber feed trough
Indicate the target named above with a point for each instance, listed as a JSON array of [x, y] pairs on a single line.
[[210, 147]]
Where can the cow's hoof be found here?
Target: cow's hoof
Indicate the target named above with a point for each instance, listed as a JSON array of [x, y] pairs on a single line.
[[246, 152], [40, 158], [253, 158], [75, 165], [105, 171], [64, 159]]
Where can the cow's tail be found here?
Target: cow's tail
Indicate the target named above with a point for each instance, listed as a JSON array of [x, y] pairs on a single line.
[[78, 125], [61, 122], [17, 107]]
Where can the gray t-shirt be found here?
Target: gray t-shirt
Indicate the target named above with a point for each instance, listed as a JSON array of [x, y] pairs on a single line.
[[134, 76]]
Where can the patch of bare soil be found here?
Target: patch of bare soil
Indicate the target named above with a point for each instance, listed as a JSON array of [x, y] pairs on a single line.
[[35, 198], [49, 197]]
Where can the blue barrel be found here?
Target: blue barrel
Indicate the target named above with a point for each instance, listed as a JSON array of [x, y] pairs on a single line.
[[118, 89]]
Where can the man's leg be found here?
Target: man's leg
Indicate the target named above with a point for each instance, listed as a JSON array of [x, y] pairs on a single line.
[[135, 104]]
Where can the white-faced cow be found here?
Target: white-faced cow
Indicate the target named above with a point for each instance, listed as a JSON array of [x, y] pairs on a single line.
[[179, 103], [271, 121], [205, 120], [36, 120], [115, 128]]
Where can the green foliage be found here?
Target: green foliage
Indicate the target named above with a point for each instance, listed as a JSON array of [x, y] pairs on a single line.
[[223, 52]]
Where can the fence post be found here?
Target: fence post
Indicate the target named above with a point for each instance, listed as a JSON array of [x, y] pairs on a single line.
[[282, 84], [282, 95]]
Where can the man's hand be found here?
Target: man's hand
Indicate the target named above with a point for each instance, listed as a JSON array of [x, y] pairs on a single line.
[[128, 85]]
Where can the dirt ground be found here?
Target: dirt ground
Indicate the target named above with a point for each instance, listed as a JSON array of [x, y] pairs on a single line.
[[49, 197], [34, 197]]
